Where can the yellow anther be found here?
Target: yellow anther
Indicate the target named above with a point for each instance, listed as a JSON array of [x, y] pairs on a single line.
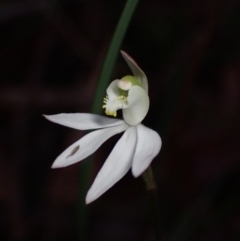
[[111, 106]]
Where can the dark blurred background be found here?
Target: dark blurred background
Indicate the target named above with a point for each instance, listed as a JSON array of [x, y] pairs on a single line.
[[51, 54]]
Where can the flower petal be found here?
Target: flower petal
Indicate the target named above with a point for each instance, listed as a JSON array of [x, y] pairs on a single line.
[[148, 146], [138, 105], [86, 146], [137, 72], [113, 101], [112, 90], [116, 166], [83, 121]]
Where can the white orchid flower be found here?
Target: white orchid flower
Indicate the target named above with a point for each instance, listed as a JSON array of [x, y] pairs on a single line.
[[135, 149]]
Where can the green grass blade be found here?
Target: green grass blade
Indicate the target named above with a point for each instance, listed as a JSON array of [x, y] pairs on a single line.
[[109, 62], [112, 54]]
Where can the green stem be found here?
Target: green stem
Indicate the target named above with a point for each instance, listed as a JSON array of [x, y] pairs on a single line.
[[109, 62], [153, 196], [112, 54]]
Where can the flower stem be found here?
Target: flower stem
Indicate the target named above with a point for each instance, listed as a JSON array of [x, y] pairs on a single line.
[[153, 196]]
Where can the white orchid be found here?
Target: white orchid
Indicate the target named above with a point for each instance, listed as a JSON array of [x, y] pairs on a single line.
[[135, 149]]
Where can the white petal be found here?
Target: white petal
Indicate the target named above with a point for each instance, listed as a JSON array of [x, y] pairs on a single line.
[[116, 166], [83, 121], [112, 90], [148, 146], [137, 72], [138, 105], [86, 146]]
